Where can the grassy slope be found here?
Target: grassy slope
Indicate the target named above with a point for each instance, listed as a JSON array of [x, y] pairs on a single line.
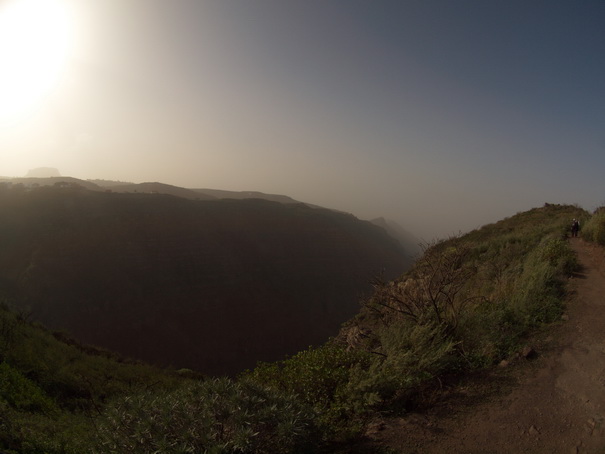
[[465, 305], [593, 228], [52, 388]]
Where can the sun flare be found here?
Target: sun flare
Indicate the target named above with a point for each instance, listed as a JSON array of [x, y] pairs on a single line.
[[35, 41]]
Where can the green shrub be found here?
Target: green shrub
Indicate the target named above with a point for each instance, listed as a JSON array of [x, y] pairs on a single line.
[[488, 334], [215, 416], [539, 291], [594, 229], [32, 433], [21, 393], [557, 253], [320, 378], [524, 290], [409, 355], [78, 377]]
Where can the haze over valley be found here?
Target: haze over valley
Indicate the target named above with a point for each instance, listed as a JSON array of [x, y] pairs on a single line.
[[180, 278], [237, 190], [441, 116], [427, 118]]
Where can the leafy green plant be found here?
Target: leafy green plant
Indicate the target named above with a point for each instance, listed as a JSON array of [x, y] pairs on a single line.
[[215, 416], [594, 229], [35, 433], [409, 355], [539, 290], [21, 393], [320, 378]]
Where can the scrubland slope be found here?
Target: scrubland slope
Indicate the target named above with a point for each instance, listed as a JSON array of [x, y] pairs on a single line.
[[466, 305]]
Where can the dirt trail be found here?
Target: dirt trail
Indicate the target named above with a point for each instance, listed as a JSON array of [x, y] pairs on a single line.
[[552, 404]]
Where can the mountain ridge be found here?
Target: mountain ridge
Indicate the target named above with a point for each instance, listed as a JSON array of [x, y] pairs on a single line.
[[408, 240]]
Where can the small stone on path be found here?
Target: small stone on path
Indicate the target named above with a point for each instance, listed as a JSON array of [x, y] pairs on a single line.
[[529, 352]]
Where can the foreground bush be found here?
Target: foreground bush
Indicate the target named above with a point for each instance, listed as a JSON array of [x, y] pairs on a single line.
[[215, 416], [594, 229], [36, 433], [321, 378]]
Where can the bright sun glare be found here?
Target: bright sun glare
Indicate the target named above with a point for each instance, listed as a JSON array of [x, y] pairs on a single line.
[[35, 40]]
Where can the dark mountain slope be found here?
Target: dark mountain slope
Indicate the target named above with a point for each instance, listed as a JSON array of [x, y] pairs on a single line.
[[210, 285], [162, 188], [149, 188], [222, 194], [410, 243], [50, 181]]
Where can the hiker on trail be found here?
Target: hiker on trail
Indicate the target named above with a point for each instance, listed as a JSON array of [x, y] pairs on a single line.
[[575, 227]]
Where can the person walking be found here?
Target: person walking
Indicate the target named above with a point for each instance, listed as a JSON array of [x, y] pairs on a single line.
[[575, 228]]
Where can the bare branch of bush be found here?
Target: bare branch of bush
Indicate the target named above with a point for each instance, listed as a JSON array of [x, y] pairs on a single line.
[[437, 290]]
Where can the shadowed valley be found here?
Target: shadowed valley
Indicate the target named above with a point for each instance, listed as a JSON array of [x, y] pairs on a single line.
[[212, 285], [223, 282]]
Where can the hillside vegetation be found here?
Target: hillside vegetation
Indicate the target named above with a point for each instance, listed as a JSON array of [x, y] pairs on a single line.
[[594, 227], [468, 303]]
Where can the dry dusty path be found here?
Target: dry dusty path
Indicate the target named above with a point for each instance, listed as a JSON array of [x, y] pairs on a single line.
[[552, 404]]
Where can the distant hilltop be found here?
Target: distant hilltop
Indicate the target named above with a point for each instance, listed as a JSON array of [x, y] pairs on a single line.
[[47, 176], [409, 242]]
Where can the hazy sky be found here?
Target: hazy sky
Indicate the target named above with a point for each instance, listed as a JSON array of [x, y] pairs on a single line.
[[442, 115]]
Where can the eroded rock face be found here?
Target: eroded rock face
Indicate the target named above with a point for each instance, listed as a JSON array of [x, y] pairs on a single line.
[[209, 285]]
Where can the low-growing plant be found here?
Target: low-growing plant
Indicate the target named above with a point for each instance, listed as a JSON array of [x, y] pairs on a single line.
[[320, 377], [214, 416], [409, 355], [594, 228], [539, 291], [24, 432], [21, 393]]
